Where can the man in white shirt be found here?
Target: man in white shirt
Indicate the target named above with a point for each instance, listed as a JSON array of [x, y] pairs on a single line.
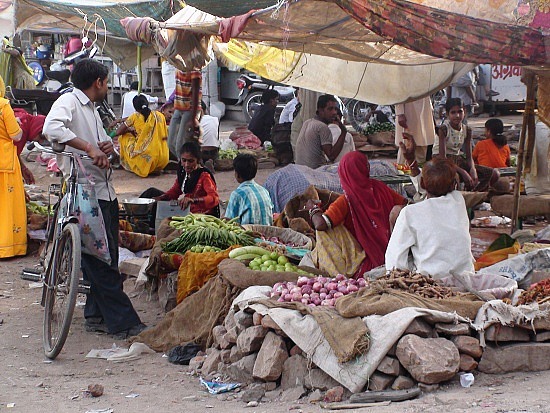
[[434, 232], [73, 120], [287, 114], [349, 145], [128, 97]]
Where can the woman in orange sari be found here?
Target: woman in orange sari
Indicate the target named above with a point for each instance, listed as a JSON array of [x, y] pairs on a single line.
[[13, 213]]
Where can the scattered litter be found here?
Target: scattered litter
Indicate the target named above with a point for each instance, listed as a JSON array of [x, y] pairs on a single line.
[[75, 396], [47, 361], [484, 206], [37, 284], [106, 410], [466, 380], [164, 356], [208, 406], [25, 336], [133, 353], [215, 387], [492, 221], [132, 395], [253, 403], [10, 405], [105, 353]]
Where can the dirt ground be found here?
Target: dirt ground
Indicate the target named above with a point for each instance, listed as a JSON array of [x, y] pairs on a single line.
[[31, 383]]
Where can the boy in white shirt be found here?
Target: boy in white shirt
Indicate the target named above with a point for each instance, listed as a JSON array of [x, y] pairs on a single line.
[[436, 231]]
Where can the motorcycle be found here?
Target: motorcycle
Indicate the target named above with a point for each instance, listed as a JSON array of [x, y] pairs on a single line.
[[251, 90], [54, 83]]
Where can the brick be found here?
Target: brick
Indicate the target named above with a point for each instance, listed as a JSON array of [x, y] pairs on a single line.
[[380, 381], [515, 357], [468, 345], [499, 333], [419, 328], [448, 329]]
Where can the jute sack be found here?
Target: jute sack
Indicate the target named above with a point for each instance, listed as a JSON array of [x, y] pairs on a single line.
[[382, 138], [194, 318], [285, 235]]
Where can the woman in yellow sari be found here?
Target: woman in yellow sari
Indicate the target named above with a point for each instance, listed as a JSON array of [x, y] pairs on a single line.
[[143, 140], [13, 213]]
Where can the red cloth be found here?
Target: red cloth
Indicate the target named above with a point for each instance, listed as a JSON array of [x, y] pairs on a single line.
[[233, 26], [370, 202], [30, 125]]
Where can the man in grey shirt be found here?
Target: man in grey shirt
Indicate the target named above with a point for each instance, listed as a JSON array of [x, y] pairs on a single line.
[[74, 121], [315, 139]]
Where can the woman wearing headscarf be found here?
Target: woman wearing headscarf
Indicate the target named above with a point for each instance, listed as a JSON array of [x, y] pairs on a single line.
[[353, 233], [31, 126], [143, 139], [195, 186], [13, 214]]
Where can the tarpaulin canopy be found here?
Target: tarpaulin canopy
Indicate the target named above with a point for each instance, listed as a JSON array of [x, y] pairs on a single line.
[[100, 18], [227, 8]]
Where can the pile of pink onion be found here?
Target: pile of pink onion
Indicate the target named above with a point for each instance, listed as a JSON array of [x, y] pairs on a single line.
[[317, 290]]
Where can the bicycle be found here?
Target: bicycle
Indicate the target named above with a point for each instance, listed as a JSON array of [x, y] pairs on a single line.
[[60, 271]]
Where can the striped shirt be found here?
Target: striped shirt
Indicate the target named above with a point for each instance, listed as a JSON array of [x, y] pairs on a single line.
[[183, 93], [251, 203]]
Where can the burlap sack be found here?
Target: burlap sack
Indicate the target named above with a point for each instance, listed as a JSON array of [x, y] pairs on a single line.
[[285, 235], [165, 234], [528, 205], [135, 241], [382, 138], [195, 317], [380, 301]]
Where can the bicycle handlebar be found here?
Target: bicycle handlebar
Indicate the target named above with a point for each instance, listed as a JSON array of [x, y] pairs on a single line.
[[52, 150]]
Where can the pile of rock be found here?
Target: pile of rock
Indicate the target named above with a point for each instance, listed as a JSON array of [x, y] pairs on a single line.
[[253, 350]]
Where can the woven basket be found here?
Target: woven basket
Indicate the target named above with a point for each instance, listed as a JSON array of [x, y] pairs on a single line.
[[223, 164]]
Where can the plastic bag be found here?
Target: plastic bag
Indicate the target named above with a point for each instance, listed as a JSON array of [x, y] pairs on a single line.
[[183, 354], [215, 387], [227, 144]]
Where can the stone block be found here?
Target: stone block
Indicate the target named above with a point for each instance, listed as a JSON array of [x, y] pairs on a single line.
[[250, 340], [268, 322], [391, 366], [450, 329], [256, 319], [295, 350], [428, 388], [515, 357], [241, 371], [196, 362], [292, 394], [271, 358], [468, 345], [254, 394], [419, 328], [243, 320], [499, 333], [294, 373], [318, 379], [229, 321], [379, 381], [334, 395], [131, 266], [235, 355], [231, 336], [210, 365], [217, 334], [467, 363], [403, 383], [542, 336], [428, 360], [225, 356], [315, 396]]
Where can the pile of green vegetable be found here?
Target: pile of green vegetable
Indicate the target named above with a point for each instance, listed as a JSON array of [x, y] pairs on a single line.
[[227, 153], [371, 129], [199, 229], [35, 208], [204, 248], [263, 260]]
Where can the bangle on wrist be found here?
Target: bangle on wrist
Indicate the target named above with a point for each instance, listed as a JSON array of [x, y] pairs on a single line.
[[327, 221], [314, 211], [413, 164]]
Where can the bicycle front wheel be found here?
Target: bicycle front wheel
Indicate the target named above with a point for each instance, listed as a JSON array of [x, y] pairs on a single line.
[[61, 290]]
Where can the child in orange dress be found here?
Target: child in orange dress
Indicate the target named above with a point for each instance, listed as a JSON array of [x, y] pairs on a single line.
[[493, 152]]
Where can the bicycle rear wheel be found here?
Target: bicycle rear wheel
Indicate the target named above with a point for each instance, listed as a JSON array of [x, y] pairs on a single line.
[[61, 291]]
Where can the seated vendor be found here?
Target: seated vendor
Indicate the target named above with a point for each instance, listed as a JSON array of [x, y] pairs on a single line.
[[195, 186], [264, 117], [435, 231], [250, 202], [364, 211]]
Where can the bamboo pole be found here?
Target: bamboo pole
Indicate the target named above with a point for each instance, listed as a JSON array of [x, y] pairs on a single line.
[[140, 75], [529, 110]]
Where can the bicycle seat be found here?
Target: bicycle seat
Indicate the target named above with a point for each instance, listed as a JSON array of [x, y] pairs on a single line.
[[61, 76], [34, 94]]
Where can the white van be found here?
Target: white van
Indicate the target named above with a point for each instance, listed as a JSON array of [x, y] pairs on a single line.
[[504, 80]]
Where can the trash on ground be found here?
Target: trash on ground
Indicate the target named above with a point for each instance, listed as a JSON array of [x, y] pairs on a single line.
[[217, 387], [466, 380], [105, 410], [133, 353], [105, 353], [37, 284], [132, 395]]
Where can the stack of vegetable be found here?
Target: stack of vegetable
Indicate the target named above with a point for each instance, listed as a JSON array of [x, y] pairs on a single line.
[[35, 208], [263, 260], [204, 248], [199, 229], [371, 129], [227, 153], [415, 283], [538, 292], [316, 291]]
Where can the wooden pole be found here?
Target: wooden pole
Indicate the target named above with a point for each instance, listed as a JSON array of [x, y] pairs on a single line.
[[529, 111], [140, 75]]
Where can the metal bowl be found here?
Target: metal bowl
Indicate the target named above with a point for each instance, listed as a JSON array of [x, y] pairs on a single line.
[[138, 206]]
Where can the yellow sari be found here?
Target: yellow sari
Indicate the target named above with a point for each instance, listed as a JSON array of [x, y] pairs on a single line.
[[13, 212], [148, 151]]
